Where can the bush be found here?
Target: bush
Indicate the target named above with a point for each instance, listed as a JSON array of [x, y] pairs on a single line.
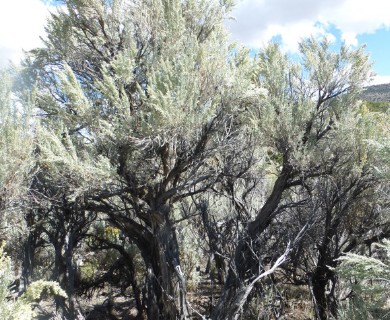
[[13, 308], [367, 279], [10, 307]]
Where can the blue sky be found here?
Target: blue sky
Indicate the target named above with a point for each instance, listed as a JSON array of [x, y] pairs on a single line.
[[255, 23], [378, 45]]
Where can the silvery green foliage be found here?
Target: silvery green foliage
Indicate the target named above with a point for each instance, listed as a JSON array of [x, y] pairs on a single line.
[[308, 99], [15, 143], [39, 287], [141, 75], [16, 147]]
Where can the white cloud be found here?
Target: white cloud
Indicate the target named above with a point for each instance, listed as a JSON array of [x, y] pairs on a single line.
[[21, 24], [350, 38], [257, 21], [380, 80]]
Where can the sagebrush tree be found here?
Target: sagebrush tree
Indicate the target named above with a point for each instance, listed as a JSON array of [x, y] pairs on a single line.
[[140, 100], [150, 123], [310, 131]]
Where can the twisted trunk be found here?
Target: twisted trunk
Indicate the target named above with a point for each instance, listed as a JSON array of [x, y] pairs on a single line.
[[233, 297], [166, 291]]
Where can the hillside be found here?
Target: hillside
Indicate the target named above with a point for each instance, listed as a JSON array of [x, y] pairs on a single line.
[[379, 93]]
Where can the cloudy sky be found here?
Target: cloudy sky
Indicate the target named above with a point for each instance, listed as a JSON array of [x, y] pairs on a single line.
[[355, 22], [21, 24], [255, 22]]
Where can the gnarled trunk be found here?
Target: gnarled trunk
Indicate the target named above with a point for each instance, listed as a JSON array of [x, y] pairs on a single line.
[[324, 305], [228, 307], [232, 296], [64, 273], [166, 289]]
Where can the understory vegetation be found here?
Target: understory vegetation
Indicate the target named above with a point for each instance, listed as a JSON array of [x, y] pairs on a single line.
[[153, 170]]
